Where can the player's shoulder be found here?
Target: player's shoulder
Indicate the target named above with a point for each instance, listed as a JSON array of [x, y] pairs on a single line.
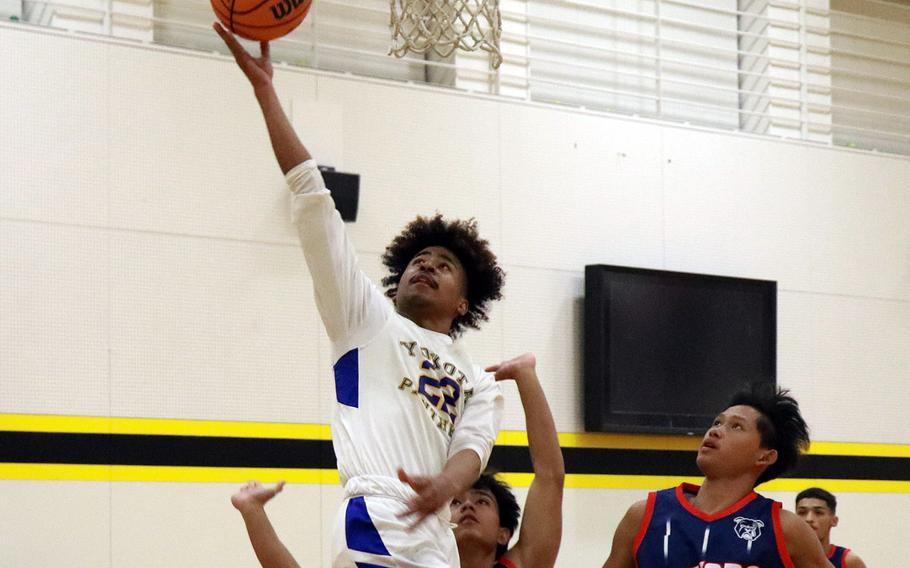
[[852, 560], [789, 520], [629, 527], [636, 512], [791, 524], [800, 539]]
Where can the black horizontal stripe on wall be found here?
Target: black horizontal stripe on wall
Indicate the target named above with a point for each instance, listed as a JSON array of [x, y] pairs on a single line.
[[852, 467], [198, 451], [517, 459], [214, 451]]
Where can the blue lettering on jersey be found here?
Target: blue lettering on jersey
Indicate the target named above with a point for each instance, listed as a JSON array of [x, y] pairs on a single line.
[[439, 386]]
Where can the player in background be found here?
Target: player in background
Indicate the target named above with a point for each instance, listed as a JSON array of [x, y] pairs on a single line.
[[818, 508], [487, 515], [724, 522]]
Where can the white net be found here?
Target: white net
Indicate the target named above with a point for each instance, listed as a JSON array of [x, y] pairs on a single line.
[[446, 25]]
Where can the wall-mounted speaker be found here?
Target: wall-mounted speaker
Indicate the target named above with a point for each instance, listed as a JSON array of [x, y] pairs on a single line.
[[345, 190]]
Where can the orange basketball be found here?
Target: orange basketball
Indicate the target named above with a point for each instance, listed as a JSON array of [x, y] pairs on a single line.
[[261, 20]]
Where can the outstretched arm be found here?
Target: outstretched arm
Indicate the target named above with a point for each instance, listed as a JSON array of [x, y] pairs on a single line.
[[289, 151], [541, 525], [351, 309], [250, 501]]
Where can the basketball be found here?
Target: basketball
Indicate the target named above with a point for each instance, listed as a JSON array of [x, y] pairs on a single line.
[[261, 20]]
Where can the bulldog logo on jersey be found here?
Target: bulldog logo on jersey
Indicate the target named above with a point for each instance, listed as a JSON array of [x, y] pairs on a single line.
[[748, 529]]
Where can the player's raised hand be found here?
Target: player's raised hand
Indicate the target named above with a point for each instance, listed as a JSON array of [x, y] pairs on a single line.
[[514, 369], [257, 69], [433, 493], [254, 494]]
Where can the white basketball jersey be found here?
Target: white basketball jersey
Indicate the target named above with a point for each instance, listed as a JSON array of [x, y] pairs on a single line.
[[407, 397]]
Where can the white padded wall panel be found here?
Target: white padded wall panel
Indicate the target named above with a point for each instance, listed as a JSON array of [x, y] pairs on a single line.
[[810, 218], [55, 523], [543, 315], [846, 360], [53, 319], [187, 525], [194, 158], [874, 542], [417, 152], [204, 328], [589, 520], [53, 166], [736, 206], [319, 122], [860, 232], [579, 190]]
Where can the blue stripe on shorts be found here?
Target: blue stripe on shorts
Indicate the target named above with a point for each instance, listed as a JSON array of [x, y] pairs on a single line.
[[360, 531]]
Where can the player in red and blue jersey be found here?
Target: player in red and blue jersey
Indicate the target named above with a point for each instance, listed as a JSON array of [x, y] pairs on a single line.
[[818, 508], [486, 516], [724, 523]]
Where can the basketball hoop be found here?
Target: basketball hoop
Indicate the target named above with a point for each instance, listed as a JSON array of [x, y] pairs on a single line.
[[446, 25]]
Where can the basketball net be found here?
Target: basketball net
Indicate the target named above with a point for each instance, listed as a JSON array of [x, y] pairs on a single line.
[[446, 25]]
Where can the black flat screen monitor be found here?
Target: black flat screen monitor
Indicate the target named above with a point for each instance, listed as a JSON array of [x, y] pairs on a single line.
[[665, 351]]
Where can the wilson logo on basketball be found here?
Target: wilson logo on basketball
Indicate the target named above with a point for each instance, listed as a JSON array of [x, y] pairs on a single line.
[[260, 20], [285, 8]]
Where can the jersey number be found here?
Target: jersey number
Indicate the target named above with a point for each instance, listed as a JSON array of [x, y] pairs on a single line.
[[442, 393]]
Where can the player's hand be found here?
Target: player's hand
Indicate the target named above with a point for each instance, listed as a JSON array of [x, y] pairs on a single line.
[[433, 493], [254, 495], [257, 69], [514, 369]]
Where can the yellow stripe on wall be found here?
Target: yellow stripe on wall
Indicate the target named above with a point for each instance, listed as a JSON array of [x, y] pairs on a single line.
[[164, 474], [162, 427], [860, 449], [237, 475]]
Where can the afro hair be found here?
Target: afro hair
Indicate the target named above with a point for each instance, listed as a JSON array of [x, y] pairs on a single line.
[[484, 276]]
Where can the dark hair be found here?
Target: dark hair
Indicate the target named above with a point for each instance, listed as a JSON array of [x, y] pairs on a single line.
[[484, 277], [818, 493], [780, 424], [509, 511]]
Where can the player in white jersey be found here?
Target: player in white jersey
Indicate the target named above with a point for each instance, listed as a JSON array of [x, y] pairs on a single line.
[[415, 420], [486, 515]]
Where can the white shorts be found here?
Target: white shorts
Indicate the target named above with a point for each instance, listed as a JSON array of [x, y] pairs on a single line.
[[369, 534]]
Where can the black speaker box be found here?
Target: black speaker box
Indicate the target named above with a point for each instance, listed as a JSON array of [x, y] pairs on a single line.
[[345, 190]]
